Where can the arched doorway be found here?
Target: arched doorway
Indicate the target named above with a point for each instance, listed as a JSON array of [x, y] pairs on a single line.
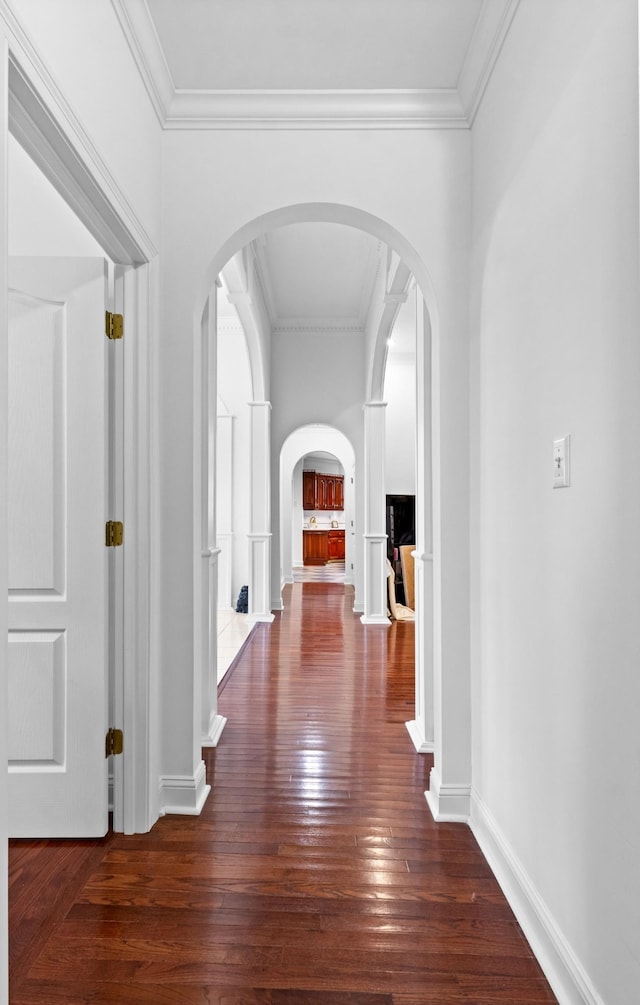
[[402, 264], [310, 440]]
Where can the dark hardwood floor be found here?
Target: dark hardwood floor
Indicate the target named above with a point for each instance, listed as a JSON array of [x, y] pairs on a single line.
[[315, 873]]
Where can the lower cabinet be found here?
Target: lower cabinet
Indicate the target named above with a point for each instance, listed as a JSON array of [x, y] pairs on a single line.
[[315, 547], [322, 546], [336, 545]]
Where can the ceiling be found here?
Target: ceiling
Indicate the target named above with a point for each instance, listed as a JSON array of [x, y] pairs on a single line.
[[317, 277], [316, 64], [302, 44]]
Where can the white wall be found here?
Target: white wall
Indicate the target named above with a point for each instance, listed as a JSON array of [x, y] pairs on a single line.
[[400, 427], [557, 573], [40, 221], [400, 396]]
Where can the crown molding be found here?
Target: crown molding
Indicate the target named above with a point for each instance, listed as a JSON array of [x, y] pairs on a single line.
[[316, 109], [313, 326], [446, 108], [488, 38], [142, 38]]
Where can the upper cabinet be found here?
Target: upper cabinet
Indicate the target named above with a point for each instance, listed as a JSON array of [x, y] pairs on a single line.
[[308, 490], [322, 491]]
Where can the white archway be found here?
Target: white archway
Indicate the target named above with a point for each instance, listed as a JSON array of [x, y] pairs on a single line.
[[266, 538], [306, 440]]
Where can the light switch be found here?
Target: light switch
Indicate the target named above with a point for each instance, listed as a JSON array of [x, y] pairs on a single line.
[[561, 472]]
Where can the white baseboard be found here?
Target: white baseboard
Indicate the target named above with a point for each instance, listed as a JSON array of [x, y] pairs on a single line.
[[422, 745], [255, 619], [217, 724], [375, 621], [566, 975], [448, 803], [184, 794]]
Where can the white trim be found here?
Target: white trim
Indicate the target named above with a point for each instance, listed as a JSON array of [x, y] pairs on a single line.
[[184, 794], [53, 136], [255, 619], [216, 725], [4, 815], [375, 620], [316, 109], [422, 745], [140, 32], [566, 975], [448, 803], [489, 34], [140, 298]]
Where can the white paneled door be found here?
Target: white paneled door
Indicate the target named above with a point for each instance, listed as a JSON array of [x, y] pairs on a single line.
[[57, 556]]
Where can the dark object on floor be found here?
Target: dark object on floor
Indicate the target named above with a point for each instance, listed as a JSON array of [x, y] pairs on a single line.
[[242, 607]]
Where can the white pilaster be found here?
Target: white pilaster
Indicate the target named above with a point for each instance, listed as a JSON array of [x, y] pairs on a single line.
[[260, 513], [211, 724], [421, 728], [4, 924], [375, 535], [224, 507]]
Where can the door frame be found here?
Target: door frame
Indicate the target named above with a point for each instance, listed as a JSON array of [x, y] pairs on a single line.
[[36, 114]]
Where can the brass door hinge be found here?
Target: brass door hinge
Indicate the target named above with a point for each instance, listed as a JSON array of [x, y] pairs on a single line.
[[114, 326], [114, 742], [114, 533]]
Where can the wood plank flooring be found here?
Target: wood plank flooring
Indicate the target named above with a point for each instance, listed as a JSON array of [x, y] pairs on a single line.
[[315, 874]]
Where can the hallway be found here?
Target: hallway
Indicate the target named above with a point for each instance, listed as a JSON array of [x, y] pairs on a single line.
[[315, 873]]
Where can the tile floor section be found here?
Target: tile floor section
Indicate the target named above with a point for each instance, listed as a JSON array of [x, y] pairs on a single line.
[[233, 630]]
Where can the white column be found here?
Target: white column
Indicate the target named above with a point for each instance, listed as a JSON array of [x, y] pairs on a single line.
[[212, 724], [375, 534], [224, 508], [421, 728], [260, 513], [4, 925]]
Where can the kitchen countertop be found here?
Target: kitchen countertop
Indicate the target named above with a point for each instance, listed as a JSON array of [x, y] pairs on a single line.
[[323, 529]]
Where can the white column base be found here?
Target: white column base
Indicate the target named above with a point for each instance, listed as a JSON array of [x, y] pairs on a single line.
[[217, 724], [184, 794], [372, 620], [418, 738], [448, 803], [376, 600], [254, 619]]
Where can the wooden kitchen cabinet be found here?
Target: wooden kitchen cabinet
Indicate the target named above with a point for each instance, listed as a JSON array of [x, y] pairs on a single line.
[[309, 490], [339, 493], [322, 491], [322, 546], [315, 547], [335, 545]]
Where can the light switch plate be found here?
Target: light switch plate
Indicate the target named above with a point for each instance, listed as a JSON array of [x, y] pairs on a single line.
[[561, 465]]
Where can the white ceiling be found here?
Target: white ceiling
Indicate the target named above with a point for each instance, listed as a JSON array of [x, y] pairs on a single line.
[[314, 44], [317, 276]]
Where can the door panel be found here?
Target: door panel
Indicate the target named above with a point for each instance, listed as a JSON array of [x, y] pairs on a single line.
[[57, 556]]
